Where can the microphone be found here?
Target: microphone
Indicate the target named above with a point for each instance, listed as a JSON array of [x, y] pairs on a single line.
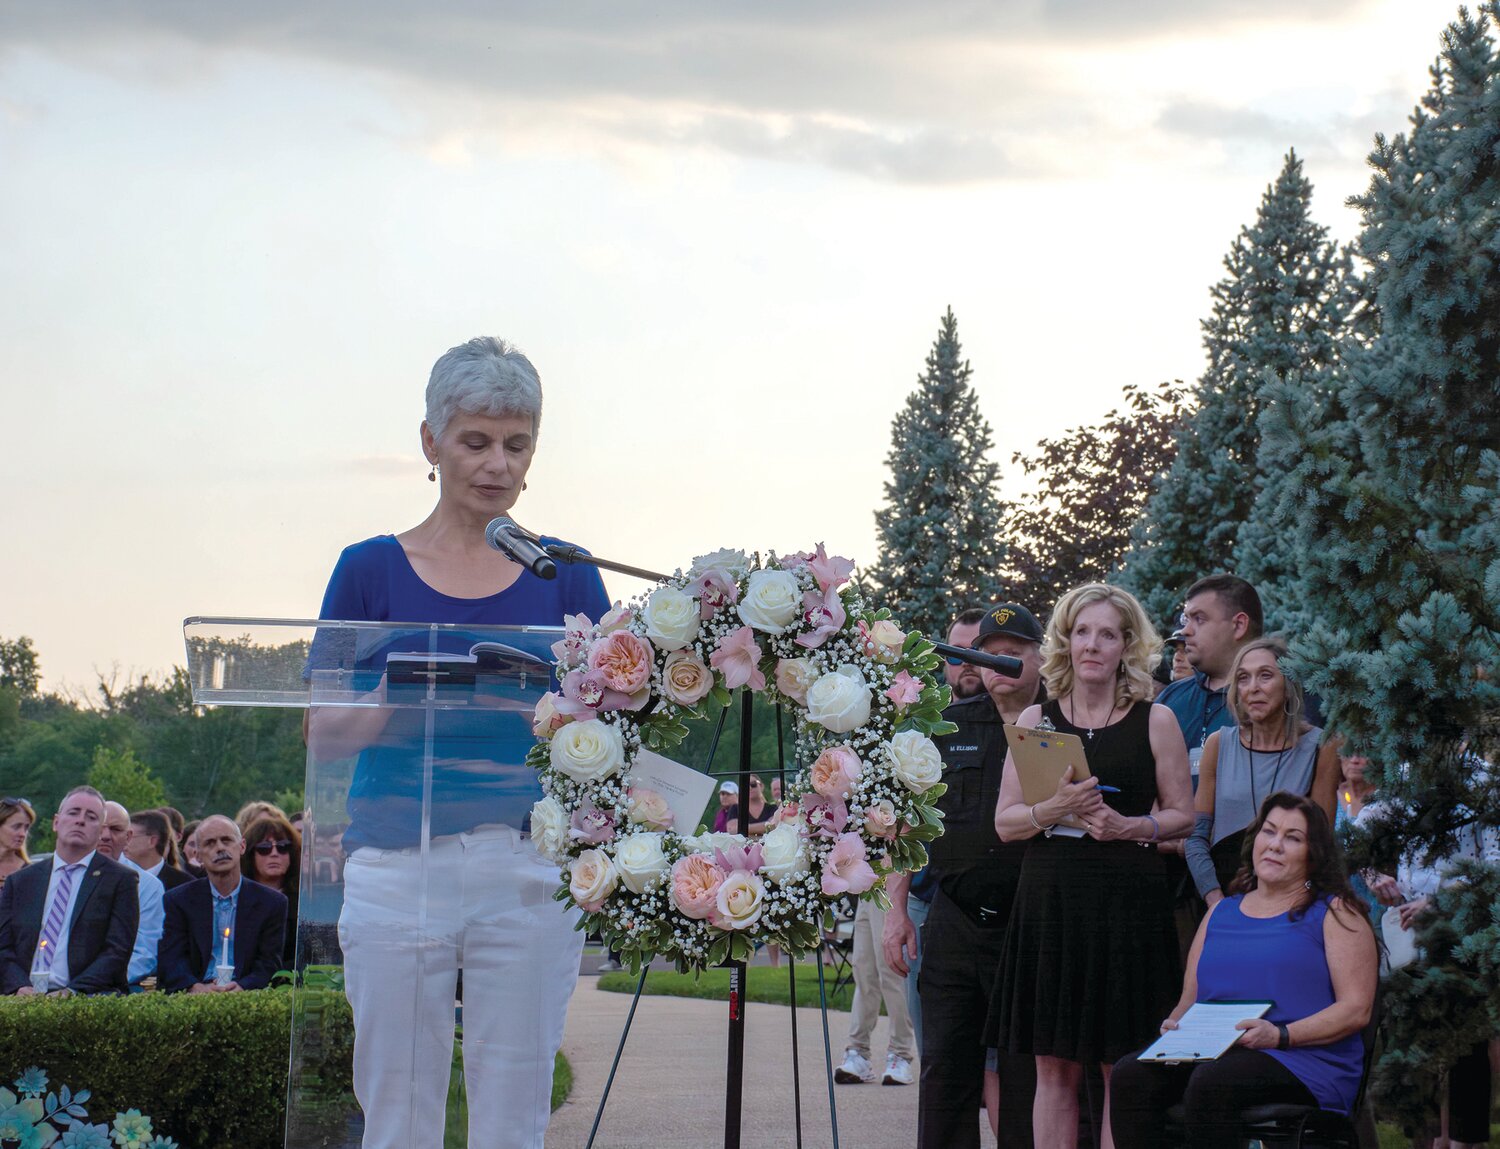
[[515, 544], [999, 663]]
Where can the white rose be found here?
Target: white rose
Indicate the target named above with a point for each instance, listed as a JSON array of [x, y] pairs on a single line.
[[549, 829], [783, 853], [838, 702], [915, 760], [794, 676], [671, 618], [588, 751], [640, 860], [707, 843], [732, 563], [592, 879], [741, 899], [771, 602], [649, 809]]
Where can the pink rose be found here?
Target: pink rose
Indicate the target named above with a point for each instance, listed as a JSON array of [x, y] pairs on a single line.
[[695, 886], [685, 679], [880, 819], [624, 660], [825, 816], [904, 689], [650, 809], [738, 660], [835, 772], [845, 869], [825, 614], [592, 825], [614, 618], [714, 589]]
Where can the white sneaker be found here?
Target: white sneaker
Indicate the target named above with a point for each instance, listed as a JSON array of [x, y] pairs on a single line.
[[855, 1070], [897, 1070]]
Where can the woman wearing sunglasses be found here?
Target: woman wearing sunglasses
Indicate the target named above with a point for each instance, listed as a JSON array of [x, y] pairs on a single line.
[[273, 857]]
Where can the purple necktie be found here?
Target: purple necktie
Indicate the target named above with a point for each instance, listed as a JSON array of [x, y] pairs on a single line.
[[58, 914]]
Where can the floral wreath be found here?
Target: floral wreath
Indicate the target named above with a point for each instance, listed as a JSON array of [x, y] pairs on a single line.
[[860, 805]]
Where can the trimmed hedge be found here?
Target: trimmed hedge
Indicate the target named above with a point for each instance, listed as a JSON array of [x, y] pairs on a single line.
[[208, 1069]]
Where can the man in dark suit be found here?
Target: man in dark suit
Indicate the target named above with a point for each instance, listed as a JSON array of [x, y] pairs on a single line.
[[192, 943], [77, 907], [147, 843]]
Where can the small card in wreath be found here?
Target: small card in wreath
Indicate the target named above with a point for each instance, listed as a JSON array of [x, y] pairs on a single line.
[[865, 702]]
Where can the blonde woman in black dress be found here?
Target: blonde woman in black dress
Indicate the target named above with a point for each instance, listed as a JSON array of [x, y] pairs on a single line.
[[1091, 956]]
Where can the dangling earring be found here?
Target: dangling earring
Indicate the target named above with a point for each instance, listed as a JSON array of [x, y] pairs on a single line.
[[432, 474]]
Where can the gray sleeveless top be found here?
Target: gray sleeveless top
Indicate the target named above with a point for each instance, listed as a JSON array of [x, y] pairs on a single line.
[[1239, 790]]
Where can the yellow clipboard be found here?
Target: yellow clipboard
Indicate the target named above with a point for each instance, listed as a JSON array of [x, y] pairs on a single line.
[[1041, 756]]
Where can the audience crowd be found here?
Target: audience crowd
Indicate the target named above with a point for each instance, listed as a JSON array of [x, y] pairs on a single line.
[[134, 901], [1024, 969]]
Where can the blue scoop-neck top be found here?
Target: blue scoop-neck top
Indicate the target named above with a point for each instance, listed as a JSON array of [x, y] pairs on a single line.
[[1282, 960]]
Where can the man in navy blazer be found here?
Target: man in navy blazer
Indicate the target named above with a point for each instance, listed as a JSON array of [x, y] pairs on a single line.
[[89, 901], [192, 941]]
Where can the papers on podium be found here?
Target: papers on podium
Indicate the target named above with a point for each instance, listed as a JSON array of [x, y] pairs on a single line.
[[1205, 1031]]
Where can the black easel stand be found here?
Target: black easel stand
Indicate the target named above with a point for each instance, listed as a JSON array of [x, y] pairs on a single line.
[[734, 1082]]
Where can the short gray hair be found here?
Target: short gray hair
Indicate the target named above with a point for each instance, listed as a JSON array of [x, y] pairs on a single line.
[[485, 376]]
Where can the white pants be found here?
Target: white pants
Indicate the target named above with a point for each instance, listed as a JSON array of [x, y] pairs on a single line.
[[875, 979], [484, 905]]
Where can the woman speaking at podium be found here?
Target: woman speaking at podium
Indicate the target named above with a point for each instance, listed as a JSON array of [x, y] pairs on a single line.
[[481, 900]]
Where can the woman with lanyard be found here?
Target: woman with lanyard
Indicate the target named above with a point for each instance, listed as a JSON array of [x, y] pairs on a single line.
[[1271, 749]]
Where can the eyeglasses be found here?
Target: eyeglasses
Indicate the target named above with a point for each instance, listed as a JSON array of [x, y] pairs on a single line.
[[755, 785], [264, 848], [954, 661]]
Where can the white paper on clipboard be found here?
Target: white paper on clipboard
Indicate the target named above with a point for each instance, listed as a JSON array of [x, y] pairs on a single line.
[[1205, 1031]]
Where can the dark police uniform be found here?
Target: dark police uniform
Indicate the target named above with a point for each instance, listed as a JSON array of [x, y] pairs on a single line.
[[962, 939]]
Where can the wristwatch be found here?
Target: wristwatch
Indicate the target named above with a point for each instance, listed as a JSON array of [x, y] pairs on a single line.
[[1284, 1038]]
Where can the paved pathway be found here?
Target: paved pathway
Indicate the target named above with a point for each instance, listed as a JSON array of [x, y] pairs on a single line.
[[669, 1091]]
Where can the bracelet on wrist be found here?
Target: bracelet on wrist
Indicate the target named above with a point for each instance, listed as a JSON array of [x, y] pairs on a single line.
[[1283, 1037], [1155, 827], [1031, 813]]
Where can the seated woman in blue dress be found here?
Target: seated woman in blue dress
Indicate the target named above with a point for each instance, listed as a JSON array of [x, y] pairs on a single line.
[[441, 874], [1296, 936]]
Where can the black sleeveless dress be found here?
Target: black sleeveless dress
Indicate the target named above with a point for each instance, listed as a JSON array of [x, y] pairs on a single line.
[[1091, 964]]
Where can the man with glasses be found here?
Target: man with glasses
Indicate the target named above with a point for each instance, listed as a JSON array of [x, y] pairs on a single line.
[[963, 677], [195, 944], [965, 928]]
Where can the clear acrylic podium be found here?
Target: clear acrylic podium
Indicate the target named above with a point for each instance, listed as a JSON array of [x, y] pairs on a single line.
[[420, 894]]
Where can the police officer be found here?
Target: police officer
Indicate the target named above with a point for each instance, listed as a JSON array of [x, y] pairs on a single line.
[[965, 928]]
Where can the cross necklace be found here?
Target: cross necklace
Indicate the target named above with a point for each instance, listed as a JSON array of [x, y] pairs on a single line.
[[1089, 731]]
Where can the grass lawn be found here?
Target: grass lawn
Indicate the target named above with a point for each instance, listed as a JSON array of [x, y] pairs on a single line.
[[763, 984]]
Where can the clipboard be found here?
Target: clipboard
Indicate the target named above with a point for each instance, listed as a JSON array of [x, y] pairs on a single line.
[[1204, 1032], [1041, 756]]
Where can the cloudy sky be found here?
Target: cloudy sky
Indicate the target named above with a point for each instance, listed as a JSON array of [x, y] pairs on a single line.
[[233, 238]]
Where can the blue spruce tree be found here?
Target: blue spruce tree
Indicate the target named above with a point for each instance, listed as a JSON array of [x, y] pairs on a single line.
[[1279, 312], [940, 547], [1397, 534]]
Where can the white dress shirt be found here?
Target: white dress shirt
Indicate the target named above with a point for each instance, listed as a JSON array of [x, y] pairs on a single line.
[[60, 974]]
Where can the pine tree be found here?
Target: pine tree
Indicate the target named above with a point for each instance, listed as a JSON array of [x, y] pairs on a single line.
[[1093, 484], [1398, 539], [1279, 312], [940, 546]]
